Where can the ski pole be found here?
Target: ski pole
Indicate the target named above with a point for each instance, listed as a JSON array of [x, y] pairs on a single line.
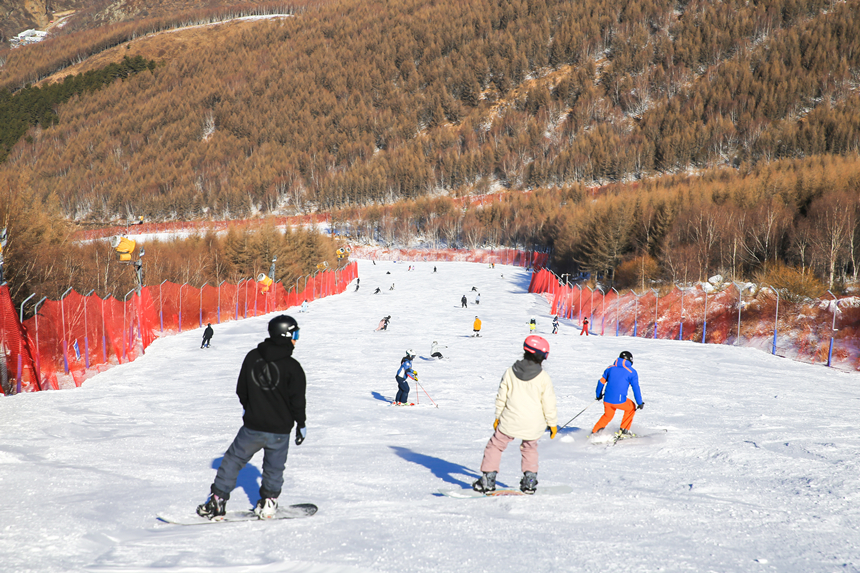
[[425, 391], [577, 416]]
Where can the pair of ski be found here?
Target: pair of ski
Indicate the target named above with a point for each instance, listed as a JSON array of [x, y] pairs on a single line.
[[616, 438]]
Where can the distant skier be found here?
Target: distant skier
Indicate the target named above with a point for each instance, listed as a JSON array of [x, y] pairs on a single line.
[[357, 282], [525, 407], [271, 389], [474, 289], [555, 324], [612, 389], [207, 336], [405, 371], [584, 327], [464, 302], [476, 326], [383, 324], [478, 299], [304, 306], [532, 325], [377, 291], [434, 269], [434, 350], [392, 286]]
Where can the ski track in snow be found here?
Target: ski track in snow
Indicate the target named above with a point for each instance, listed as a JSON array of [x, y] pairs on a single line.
[[758, 470]]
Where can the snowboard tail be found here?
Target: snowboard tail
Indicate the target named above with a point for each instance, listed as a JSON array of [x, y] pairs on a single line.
[[295, 511]]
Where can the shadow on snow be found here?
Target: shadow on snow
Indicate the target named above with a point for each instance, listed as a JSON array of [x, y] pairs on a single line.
[[440, 468]]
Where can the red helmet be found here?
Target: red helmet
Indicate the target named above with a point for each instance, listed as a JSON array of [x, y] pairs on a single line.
[[537, 345]]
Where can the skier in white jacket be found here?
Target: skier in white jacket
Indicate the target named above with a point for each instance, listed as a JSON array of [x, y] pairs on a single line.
[[525, 407]]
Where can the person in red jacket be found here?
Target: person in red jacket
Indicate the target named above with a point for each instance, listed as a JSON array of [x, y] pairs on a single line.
[[584, 327]]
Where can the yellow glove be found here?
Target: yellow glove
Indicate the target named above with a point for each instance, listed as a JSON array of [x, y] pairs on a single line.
[[553, 430], [496, 424]]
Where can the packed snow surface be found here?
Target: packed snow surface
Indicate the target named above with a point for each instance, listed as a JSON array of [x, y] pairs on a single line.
[[757, 470]]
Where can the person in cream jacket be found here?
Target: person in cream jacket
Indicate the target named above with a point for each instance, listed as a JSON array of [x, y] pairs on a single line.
[[525, 407]]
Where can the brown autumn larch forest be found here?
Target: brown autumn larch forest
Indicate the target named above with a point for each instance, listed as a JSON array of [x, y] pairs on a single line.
[[724, 135]]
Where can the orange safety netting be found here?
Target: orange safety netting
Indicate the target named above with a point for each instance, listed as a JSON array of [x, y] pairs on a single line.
[[69, 340], [802, 332]]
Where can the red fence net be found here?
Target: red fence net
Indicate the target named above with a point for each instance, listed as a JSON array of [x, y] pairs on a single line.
[[802, 331], [720, 316], [69, 340]]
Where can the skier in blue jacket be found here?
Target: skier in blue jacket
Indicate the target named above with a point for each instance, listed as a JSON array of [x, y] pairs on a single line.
[[612, 388], [405, 371]]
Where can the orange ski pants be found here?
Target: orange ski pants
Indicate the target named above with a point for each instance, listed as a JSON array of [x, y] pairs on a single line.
[[629, 408]]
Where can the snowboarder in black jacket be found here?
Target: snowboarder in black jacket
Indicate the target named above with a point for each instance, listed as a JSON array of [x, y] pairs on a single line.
[[207, 336], [271, 388]]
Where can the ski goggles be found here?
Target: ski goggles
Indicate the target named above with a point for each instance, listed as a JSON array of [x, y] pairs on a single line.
[[296, 334]]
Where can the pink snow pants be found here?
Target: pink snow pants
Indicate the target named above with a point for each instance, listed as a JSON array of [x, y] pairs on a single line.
[[497, 445]]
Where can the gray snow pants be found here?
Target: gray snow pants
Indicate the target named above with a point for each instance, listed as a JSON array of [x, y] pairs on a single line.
[[244, 446]]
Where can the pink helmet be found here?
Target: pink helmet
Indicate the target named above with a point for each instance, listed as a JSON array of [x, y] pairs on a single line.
[[537, 345]]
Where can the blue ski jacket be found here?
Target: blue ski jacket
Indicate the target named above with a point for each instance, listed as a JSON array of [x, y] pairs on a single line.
[[405, 370], [617, 379]]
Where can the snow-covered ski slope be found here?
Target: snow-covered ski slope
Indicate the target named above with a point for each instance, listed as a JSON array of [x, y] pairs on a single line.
[[759, 469]]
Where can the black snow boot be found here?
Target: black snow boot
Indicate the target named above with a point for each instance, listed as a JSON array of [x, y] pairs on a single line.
[[529, 483], [215, 508], [486, 484]]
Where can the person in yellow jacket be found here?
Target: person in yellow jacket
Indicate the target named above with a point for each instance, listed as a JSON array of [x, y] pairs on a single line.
[[525, 407], [477, 326]]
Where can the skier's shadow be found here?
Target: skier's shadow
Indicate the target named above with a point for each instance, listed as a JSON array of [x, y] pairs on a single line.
[[248, 479], [440, 468], [380, 397]]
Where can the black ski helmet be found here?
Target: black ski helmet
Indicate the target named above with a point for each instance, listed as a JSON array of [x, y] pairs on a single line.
[[283, 326], [626, 356]]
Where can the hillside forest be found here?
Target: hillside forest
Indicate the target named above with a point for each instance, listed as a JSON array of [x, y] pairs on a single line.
[[721, 136]]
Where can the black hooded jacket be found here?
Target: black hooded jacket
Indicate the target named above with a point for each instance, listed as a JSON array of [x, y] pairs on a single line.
[[271, 388]]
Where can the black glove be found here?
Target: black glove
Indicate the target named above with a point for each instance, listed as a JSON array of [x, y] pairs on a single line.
[[640, 406], [301, 433], [600, 397]]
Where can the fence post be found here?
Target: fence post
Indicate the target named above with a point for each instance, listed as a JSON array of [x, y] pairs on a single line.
[[180, 305], [580, 304], [200, 305], [238, 284], [125, 336], [86, 331], [161, 305], [635, 313], [705, 325], [21, 317], [603, 313], [38, 356], [63, 321], [617, 296], [104, 335], [21, 347], [832, 328], [656, 303], [219, 300], [740, 305], [591, 313], [776, 318]]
